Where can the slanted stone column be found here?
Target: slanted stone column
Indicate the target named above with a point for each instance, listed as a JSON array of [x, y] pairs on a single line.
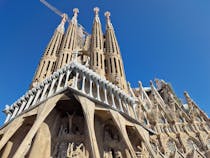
[[43, 112], [117, 118], [44, 91], [120, 103], [76, 80], [29, 101], [105, 94], [59, 82], [42, 144], [7, 149], [145, 137], [98, 92], [8, 113], [10, 131], [89, 110], [83, 83], [91, 88], [113, 102], [37, 96], [16, 107], [22, 106], [52, 86], [67, 77]]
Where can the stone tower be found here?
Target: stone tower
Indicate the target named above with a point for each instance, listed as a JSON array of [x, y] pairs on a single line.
[[83, 108], [97, 46], [69, 43], [48, 62], [113, 61]]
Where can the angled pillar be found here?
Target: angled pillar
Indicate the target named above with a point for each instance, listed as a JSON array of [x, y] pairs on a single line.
[[89, 110], [121, 126], [43, 112]]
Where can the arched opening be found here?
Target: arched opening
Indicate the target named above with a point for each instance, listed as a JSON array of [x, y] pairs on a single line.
[[136, 141], [69, 131], [109, 138], [13, 144]]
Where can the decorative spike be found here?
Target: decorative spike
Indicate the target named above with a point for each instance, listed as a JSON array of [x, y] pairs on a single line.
[[61, 27], [96, 10], [76, 11], [97, 46], [49, 59], [74, 19], [115, 68], [108, 20]]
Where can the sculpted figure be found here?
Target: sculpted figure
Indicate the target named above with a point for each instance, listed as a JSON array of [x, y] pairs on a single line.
[[118, 154], [76, 151]]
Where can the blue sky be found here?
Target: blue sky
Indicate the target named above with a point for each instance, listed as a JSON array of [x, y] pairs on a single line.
[[158, 39]]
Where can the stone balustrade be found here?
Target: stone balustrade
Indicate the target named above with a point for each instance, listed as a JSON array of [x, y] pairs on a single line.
[[81, 79]]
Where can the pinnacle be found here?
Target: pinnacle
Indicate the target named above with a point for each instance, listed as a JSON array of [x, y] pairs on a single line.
[[107, 14], [76, 11], [96, 10]]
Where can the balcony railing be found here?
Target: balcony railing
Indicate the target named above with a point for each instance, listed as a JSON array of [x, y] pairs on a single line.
[[80, 79]]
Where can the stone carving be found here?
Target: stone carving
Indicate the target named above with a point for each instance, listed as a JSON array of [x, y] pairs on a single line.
[[113, 154], [75, 151], [108, 154], [62, 148], [111, 134], [118, 154]]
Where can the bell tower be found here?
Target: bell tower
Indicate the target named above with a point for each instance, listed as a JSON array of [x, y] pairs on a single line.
[[97, 45], [48, 62], [69, 43], [113, 60]]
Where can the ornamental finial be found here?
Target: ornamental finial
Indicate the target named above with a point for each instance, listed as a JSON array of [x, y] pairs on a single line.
[[64, 18], [76, 11], [96, 10], [74, 19], [107, 15]]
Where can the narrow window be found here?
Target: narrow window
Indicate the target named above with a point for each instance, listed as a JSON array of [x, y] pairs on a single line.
[[53, 66], [120, 67], [115, 64], [67, 58], [42, 68], [48, 66], [111, 64], [96, 58], [101, 62], [105, 65], [62, 60]]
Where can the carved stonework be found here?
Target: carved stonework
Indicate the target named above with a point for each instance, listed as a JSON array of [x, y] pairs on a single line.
[[76, 151]]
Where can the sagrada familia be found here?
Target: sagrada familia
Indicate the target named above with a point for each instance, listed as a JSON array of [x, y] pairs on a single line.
[[80, 105]]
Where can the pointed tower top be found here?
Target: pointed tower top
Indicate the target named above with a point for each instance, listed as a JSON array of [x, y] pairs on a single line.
[[108, 20], [74, 19], [76, 11], [186, 94], [107, 15], [61, 27], [96, 10]]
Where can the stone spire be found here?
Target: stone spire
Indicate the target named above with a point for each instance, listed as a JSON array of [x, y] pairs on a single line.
[[96, 50], [47, 63], [188, 99], [69, 43], [113, 60]]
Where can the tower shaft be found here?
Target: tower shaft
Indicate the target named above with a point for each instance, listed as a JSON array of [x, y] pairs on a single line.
[[48, 62], [97, 45], [113, 60], [69, 43]]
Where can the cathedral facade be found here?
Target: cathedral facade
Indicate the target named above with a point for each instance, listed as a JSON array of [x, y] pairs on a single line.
[[80, 105]]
